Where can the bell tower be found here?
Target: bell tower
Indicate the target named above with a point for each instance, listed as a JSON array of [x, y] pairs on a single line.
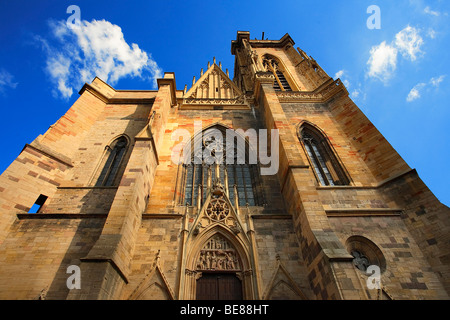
[[291, 67], [330, 153]]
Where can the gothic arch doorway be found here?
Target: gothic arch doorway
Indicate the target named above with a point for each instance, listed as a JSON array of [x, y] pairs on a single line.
[[218, 264], [218, 268]]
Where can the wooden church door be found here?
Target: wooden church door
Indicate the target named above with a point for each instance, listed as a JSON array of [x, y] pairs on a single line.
[[219, 286]]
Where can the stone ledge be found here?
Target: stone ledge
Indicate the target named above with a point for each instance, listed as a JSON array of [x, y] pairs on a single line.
[[114, 99], [363, 212], [106, 260], [49, 153], [271, 216], [322, 94], [138, 101], [377, 186], [31, 216], [212, 106], [161, 216], [88, 187]]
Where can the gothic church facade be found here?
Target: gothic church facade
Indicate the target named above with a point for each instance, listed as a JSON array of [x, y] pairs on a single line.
[[114, 206]]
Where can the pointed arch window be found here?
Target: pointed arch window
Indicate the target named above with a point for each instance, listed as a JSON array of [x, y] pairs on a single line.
[[113, 159], [326, 166], [272, 65], [240, 180]]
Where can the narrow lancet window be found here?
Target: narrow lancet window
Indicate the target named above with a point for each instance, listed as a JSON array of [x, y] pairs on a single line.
[[280, 83], [114, 158], [322, 159]]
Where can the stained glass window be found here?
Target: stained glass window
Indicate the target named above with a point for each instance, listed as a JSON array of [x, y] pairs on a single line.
[[198, 176]]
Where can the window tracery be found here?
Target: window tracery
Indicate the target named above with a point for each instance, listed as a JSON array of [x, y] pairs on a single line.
[[240, 180], [323, 161], [114, 158], [272, 65]]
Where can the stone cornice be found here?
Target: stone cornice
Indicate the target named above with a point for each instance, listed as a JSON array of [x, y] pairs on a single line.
[[372, 186], [24, 216], [285, 40], [322, 94], [131, 101], [115, 100], [97, 93], [271, 216], [363, 212], [244, 35], [215, 104], [161, 216], [49, 153]]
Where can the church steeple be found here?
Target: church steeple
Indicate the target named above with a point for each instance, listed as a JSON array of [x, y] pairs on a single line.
[[292, 69]]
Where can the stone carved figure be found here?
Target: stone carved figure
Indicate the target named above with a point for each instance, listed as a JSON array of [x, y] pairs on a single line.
[[217, 254]]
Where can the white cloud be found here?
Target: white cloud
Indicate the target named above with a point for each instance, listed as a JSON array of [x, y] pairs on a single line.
[[6, 80], [58, 67], [96, 48], [431, 33], [358, 93], [436, 81], [339, 75], [382, 62], [355, 93], [427, 10], [383, 57], [346, 83], [408, 41], [414, 94]]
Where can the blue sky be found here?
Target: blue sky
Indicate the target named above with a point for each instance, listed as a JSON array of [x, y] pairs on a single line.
[[399, 75]]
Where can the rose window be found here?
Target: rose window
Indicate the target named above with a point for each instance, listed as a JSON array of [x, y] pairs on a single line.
[[217, 209]]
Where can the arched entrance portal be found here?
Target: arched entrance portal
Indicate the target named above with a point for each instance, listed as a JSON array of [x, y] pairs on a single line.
[[218, 265], [218, 268]]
